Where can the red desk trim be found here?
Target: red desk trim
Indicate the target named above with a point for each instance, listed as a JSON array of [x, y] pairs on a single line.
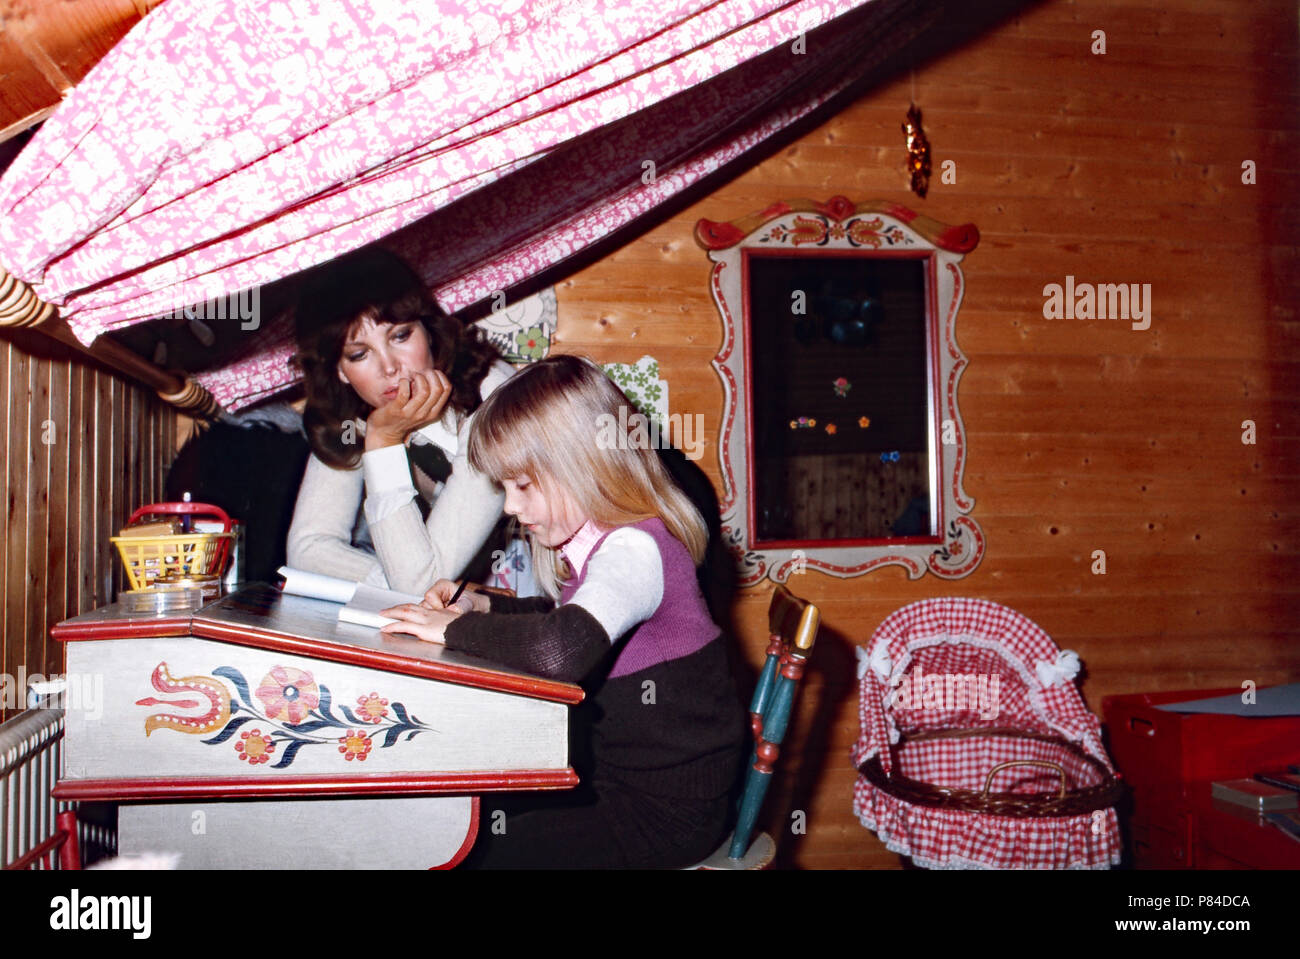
[[297, 787], [68, 632], [484, 678], [468, 844]]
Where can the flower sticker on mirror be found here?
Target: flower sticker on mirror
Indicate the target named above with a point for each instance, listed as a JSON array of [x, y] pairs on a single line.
[[890, 457], [803, 423], [842, 387], [864, 422], [831, 429]]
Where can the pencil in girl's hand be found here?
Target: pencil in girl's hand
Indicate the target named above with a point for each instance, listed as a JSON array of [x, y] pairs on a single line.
[[456, 595]]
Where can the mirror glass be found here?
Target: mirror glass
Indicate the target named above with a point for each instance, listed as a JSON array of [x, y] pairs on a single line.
[[842, 438]]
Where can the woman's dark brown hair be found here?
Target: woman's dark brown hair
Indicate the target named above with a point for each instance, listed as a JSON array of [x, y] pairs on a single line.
[[372, 284]]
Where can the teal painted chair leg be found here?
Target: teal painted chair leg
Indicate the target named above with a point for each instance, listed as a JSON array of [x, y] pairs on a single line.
[[792, 629], [766, 751], [762, 695], [767, 678], [755, 789]]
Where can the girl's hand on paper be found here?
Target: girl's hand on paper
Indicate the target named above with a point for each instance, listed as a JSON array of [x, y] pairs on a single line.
[[440, 594], [418, 621], [420, 401]]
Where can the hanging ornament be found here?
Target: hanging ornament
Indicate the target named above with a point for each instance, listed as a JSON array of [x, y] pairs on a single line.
[[842, 386], [918, 152]]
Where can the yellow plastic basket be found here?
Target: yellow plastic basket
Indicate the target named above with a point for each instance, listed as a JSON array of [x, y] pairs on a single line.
[[148, 557]]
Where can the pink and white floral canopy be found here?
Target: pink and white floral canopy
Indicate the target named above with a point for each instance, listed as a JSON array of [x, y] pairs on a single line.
[[225, 144]]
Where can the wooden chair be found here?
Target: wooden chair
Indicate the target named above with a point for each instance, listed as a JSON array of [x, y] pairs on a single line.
[[792, 625]]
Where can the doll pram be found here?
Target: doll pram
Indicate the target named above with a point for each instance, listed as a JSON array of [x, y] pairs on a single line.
[[958, 696]]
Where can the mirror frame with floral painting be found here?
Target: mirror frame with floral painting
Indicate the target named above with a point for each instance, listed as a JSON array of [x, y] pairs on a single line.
[[954, 543]]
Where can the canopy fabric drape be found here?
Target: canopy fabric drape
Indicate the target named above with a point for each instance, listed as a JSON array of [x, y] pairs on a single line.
[[224, 145]]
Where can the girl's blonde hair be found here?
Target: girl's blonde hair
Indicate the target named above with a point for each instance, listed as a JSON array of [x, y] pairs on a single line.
[[557, 421]]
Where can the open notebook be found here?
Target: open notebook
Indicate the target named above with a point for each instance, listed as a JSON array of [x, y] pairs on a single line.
[[360, 603]]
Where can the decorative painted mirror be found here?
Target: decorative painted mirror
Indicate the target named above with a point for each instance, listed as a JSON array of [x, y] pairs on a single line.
[[842, 448]]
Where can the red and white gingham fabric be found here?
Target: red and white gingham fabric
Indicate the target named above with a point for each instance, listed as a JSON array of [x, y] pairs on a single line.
[[907, 686]]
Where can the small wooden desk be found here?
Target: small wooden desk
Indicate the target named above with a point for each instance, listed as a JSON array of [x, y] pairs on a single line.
[[259, 732]]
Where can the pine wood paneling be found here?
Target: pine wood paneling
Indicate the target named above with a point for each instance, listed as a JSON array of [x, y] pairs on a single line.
[[1084, 434], [81, 450], [16, 638]]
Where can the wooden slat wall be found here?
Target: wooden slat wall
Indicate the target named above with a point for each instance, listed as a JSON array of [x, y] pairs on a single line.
[[1084, 435], [82, 449]]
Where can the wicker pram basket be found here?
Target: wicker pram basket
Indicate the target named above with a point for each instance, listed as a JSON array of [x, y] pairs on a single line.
[[976, 750]]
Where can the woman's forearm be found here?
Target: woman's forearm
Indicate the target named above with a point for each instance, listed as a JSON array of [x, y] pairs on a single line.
[[416, 553], [320, 536]]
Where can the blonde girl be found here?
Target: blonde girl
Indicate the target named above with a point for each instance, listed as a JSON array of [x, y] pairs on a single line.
[[616, 542]]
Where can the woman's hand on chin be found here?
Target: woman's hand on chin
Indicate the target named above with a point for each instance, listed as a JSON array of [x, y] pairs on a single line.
[[420, 401], [417, 621]]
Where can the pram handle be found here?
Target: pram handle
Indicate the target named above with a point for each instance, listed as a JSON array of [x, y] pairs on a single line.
[[1024, 762]]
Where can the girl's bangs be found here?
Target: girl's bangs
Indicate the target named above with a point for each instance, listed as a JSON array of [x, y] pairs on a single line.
[[491, 450]]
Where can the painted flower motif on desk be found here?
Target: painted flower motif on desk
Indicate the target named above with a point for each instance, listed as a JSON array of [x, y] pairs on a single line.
[[290, 705], [254, 746], [356, 745], [372, 708], [288, 692]]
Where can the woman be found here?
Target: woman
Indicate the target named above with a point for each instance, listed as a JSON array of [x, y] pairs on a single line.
[[392, 382]]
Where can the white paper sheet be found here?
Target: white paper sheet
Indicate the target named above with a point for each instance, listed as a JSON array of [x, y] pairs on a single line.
[[317, 585], [363, 609]]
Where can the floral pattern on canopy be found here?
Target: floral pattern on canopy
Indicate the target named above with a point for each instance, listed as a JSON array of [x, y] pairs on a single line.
[[225, 144]]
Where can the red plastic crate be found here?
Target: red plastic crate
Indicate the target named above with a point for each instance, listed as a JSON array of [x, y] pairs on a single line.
[[1169, 760]]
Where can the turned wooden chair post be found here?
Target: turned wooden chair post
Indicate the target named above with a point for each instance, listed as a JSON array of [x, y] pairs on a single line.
[[793, 625]]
